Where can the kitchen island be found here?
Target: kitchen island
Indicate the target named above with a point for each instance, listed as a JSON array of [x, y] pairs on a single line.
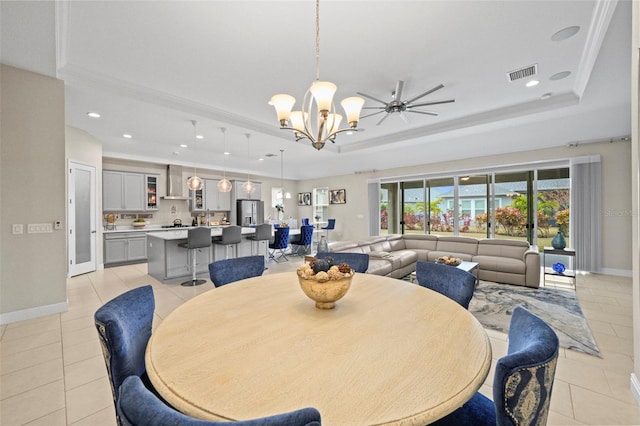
[[167, 261]]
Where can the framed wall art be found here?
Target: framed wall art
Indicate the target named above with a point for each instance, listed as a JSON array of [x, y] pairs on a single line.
[[337, 196], [304, 198]]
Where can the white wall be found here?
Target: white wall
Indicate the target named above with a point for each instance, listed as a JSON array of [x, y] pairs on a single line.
[[635, 177], [352, 221], [32, 190]]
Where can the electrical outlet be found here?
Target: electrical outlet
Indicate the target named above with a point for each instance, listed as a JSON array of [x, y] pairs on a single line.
[[57, 224], [16, 228]]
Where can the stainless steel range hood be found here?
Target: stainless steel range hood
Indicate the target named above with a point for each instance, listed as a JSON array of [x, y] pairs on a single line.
[[174, 183]]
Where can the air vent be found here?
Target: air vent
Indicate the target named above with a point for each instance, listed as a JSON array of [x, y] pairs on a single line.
[[523, 73], [271, 155]]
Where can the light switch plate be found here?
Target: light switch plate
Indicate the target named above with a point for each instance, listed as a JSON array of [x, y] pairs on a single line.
[[17, 229], [39, 228]]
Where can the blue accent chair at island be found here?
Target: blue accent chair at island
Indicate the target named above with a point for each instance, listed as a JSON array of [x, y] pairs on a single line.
[[450, 281], [359, 262], [124, 327], [304, 240], [522, 382], [139, 407], [280, 243], [230, 270]]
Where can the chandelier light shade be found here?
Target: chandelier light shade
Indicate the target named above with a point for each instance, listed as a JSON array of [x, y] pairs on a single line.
[[195, 183], [248, 187], [317, 120], [224, 185]]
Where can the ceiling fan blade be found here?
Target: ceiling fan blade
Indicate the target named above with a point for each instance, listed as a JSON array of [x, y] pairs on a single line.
[[382, 119], [372, 98], [404, 117], [431, 103], [370, 115], [438, 87], [382, 107], [423, 112], [397, 95]]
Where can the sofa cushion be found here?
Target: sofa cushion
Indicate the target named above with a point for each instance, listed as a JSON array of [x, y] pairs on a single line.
[[402, 258], [503, 248], [460, 245], [396, 242], [379, 266], [500, 264], [342, 245], [420, 241]]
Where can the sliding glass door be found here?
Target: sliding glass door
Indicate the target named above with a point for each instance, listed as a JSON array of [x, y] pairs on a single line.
[[413, 208], [389, 223], [441, 206], [473, 202]]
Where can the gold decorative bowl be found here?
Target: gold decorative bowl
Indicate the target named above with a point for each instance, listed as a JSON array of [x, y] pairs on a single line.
[[326, 293]]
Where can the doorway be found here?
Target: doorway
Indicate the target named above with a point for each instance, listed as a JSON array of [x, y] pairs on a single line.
[[81, 218]]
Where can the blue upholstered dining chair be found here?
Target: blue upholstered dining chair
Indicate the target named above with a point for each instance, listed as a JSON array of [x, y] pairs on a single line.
[[330, 226], [229, 270], [139, 407], [522, 382], [454, 283], [124, 327], [305, 221], [280, 243], [304, 240], [359, 262]]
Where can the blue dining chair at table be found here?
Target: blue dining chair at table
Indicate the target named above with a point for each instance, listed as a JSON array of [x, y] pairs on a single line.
[[280, 243], [359, 262], [139, 407], [450, 281], [305, 221], [304, 240], [124, 328], [522, 382], [331, 224], [230, 270]]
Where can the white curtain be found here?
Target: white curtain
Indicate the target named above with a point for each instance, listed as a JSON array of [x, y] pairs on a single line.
[[586, 212]]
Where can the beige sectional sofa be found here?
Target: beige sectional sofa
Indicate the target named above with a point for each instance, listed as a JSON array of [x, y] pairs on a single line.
[[503, 261]]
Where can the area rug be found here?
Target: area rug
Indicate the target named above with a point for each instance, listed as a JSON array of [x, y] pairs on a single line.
[[492, 304]]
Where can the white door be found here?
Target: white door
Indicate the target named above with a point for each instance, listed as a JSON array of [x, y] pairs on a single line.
[[82, 218]]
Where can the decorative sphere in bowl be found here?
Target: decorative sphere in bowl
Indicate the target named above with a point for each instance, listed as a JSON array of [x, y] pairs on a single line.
[[325, 288]]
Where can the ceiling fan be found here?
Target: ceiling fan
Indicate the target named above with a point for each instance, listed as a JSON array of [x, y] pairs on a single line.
[[400, 106]]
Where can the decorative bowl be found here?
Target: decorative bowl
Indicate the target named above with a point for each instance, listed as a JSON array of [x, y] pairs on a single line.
[[449, 260], [139, 224], [558, 267], [326, 293]]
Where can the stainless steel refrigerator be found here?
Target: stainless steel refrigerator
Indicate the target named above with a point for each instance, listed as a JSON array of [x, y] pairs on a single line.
[[250, 212]]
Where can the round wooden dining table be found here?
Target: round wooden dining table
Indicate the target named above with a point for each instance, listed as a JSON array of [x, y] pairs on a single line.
[[390, 352]]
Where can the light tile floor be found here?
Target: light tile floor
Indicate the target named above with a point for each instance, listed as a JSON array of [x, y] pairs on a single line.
[[53, 373]]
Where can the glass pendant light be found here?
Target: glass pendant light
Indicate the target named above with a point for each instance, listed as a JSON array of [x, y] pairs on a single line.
[[248, 187], [194, 182], [223, 184]]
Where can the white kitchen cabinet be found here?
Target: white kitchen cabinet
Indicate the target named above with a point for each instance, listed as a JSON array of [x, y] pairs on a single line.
[[123, 191], [215, 200], [151, 188], [239, 194]]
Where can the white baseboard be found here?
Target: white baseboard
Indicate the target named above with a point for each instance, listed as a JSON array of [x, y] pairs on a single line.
[[635, 387], [40, 311], [618, 272]]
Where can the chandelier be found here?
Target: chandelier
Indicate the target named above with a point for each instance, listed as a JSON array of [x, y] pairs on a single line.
[[194, 182], [319, 123], [223, 184]]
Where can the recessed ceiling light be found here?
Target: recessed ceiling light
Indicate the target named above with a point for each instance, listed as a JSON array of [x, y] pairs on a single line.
[[565, 33], [546, 96], [199, 137], [260, 159], [560, 75], [532, 83], [183, 145], [127, 136], [93, 114], [226, 153]]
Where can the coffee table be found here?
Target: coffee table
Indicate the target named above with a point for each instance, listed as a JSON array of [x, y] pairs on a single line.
[[471, 267]]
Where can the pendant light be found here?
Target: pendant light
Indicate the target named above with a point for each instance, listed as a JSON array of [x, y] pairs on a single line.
[[194, 182], [248, 187], [223, 184], [282, 193]]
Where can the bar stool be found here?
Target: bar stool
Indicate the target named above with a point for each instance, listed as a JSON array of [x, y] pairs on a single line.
[[197, 238], [263, 232], [231, 236]]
